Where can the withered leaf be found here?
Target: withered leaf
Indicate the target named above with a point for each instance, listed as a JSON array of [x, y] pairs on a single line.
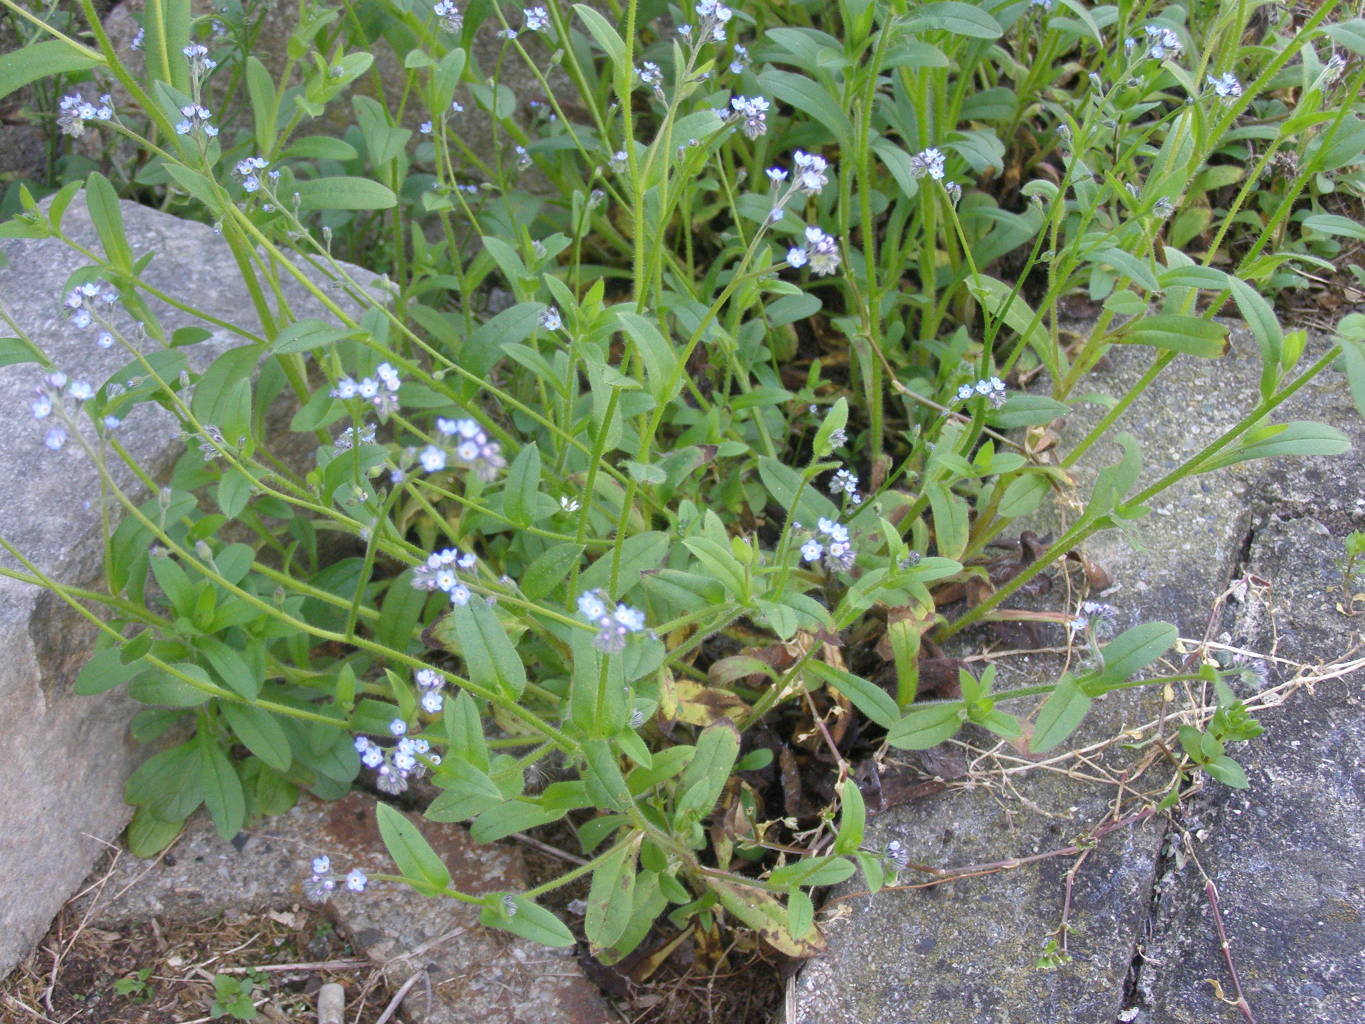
[[1097, 577], [686, 700], [768, 917]]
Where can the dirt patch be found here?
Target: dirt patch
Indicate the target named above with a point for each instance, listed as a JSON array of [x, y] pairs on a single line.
[[236, 966]]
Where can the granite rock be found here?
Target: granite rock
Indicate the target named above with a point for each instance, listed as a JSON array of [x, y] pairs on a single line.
[[66, 756]]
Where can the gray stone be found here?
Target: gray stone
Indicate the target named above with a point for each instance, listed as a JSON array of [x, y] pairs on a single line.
[[66, 757], [469, 972], [967, 951], [1285, 853]]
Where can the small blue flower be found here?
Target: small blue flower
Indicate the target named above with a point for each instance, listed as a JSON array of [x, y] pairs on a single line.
[[810, 172], [1163, 42], [754, 112], [927, 162], [613, 626], [1226, 86], [449, 14], [433, 460]]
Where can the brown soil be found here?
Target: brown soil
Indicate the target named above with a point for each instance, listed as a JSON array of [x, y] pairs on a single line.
[[150, 973]]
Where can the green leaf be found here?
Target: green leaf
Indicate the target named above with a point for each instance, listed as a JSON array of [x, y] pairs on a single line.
[[466, 792], [306, 335], [1060, 715], [1265, 327], [164, 773], [1297, 438], [344, 193], [603, 777], [400, 613], [874, 870], [852, 818], [321, 147], [1227, 771], [234, 491], [811, 98], [43, 60], [526, 918], [104, 671], [107, 215], [491, 659], [222, 788], [18, 350], [383, 141], [261, 90], [159, 687], [523, 486], [1353, 361], [834, 420], [222, 395], [1113, 482], [1136, 270], [1022, 410], [1023, 494], [667, 763], [784, 484], [551, 568], [260, 732], [999, 722], [447, 77], [951, 523], [196, 184], [148, 835], [230, 666], [639, 553], [330, 752], [926, 726], [1334, 224], [898, 162], [1192, 335], [791, 308], [800, 913], [809, 871], [409, 849], [507, 259], [512, 816], [709, 770], [866, 696], [608, 38], [611, 897], [994, 297], [1132, 651], [658, 354], [464, 731], [958, 18], [484, 347], [720, 562]]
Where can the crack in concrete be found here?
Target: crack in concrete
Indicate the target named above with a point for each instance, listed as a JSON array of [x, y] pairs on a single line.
[[1137, 992]]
